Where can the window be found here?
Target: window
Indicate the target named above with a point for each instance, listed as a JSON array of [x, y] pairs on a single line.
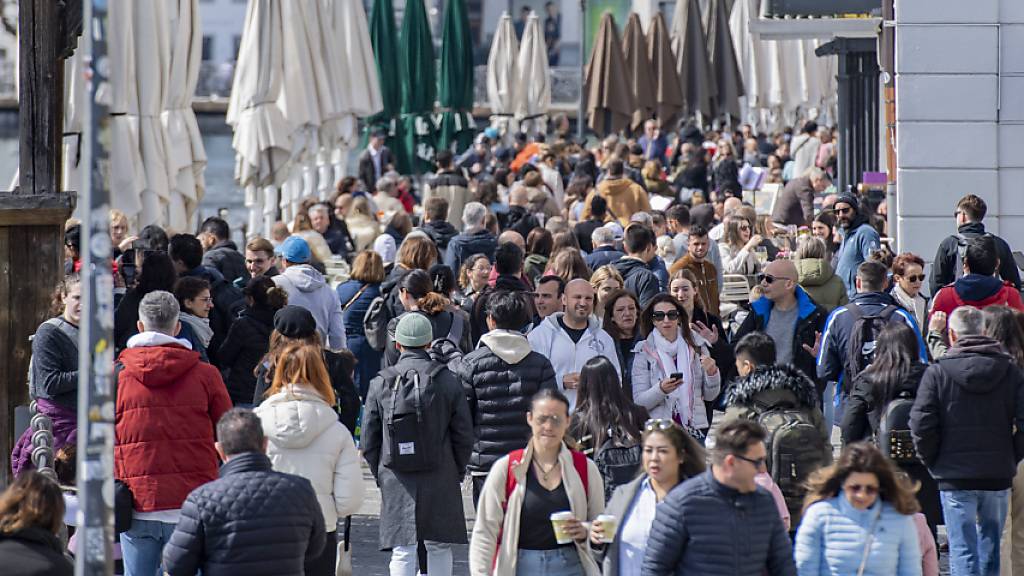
[[207, 48]]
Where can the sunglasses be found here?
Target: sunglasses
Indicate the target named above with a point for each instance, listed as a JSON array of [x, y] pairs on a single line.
[[769, 279], [869, 489], [915, 278], [543, 419], [844, 210], [659, 316], [659, 424], [757, 462]]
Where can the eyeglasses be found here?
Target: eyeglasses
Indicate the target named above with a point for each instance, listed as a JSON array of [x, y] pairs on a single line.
[[659, 316], [757, 462], [869, 489], [659, 424], [552, 419], [915, 278], [769, 279], [844, 210]]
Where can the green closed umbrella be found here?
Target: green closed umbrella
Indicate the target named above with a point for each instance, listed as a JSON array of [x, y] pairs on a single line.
[[419, 87], [384, 38], [456, 83]]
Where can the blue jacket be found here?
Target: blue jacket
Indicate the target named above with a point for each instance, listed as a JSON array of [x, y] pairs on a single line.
[[657, 265], [855, 249], [833, 534], [353, 314], [836, 337], [602, 256], [464, 245], [704, 527]]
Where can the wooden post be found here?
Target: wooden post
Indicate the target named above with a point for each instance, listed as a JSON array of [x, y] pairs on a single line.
[[32, 216]]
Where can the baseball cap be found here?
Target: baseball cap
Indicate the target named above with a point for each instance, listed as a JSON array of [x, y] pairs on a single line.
[[294, 250], [414, 331]]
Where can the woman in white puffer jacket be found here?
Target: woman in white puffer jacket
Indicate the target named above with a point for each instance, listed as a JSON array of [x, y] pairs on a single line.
[[306, 439]]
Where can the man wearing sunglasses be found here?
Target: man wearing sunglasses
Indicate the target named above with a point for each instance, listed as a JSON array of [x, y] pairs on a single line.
[[721, 522], [860, 239]]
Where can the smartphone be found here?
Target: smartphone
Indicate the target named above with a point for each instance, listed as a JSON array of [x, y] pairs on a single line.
[[676, 375]]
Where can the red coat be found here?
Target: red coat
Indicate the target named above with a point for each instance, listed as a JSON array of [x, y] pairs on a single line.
[[947, 299], [168, 405]]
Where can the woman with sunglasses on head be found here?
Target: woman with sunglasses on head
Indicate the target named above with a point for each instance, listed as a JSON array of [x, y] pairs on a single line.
[[606, 417], [739, 247], [908, 278], [670, 456], [673, 372], [859, 518], [514, 533]]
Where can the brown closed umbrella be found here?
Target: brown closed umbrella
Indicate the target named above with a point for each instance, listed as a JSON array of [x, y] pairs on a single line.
[[692, 64], [609, 98], [640, 73], [728, 78], [668, 92]]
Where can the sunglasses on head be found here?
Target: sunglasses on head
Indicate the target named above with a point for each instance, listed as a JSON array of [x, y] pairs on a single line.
[[659, 424], [768, 278], [659, 316]]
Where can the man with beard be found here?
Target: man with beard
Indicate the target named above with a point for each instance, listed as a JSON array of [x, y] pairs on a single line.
[[860, 239], [568, 339], [698, 262]]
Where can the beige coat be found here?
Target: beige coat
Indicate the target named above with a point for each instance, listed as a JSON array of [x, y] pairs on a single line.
[[492, 521]]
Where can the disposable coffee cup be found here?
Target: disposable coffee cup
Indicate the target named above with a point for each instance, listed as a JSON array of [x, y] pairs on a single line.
[[609, 525], [559, 523]]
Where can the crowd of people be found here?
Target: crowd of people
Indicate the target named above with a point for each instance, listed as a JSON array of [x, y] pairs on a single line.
[[633, 370]]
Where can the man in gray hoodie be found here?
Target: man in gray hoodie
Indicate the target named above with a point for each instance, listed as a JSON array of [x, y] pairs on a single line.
[[500, 377], [309, 289]]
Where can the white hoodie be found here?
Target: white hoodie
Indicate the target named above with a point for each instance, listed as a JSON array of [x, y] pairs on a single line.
[[307, 288], [306, 439], [549, 339]]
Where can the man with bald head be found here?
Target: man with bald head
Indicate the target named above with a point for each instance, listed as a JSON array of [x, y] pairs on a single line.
[[569, 339], [789, 316], [511, 236]]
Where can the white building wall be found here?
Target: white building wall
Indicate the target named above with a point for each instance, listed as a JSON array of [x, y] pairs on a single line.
[[222, 21], [960, 117]]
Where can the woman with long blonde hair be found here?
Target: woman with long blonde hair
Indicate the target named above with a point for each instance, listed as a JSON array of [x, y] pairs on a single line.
[[305, 438]]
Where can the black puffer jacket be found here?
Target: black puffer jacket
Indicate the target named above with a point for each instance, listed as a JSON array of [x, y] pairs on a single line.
[[968, 417], [225, 257], [247, 341], [704, 527], [441, 232], [33, 552], [251, 521], [500, 377]]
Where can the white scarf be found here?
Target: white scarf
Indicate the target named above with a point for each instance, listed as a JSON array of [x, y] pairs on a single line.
[[914, 305], [676, 357], [199, 326]]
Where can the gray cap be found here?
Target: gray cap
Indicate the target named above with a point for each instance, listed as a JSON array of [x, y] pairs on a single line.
[[414, 331]]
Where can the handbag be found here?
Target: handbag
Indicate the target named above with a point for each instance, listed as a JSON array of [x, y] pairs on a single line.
[[344, 564], [868, 541]]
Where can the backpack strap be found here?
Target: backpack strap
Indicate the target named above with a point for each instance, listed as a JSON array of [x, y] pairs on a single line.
[[579, 462], [888, 311], [458, 325], [354, 298], [855, 310]]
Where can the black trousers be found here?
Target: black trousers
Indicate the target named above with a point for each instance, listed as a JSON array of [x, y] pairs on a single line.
[[324, 565]]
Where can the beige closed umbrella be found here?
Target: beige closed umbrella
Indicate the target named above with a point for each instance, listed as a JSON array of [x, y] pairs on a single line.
[[640, 74], [502, 74], [609, 98], [186, 155], [689, 44], [533, 80], [262, 138], [668, 93]]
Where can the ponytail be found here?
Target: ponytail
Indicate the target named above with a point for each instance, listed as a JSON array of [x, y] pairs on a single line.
[[432, 304]]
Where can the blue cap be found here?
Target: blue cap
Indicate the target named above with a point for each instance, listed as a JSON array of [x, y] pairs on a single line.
[[294, 250], [491, 133]]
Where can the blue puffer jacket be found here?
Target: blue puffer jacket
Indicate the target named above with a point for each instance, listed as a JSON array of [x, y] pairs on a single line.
[[704, 527], [833, 533]]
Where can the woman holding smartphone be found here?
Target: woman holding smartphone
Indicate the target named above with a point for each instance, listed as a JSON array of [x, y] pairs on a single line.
[[673, 372]]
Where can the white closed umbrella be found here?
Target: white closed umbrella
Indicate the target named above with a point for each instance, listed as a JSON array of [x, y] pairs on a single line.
[[502, 74], [186, 155], [75, 100], [533, 84], [262, 139], [127, 175], [151, 76]]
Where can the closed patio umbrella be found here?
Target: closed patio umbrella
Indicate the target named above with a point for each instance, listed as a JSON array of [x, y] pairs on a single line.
[[728, 79], [455, 85], [691, 49], [502, 73], [262, 140], [186, 153], [668, 93], [533, 84], [640, 74], [609, 99], [384, 38], [419, 87]]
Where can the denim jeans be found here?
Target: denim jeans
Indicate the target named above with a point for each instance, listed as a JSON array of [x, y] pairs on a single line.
[[562, 561], [439, 559], [974, 522], [142, 547]]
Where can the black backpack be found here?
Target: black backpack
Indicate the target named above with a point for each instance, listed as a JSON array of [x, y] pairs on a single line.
[[961, 252], [446, 350], [893, 436], [860, 349], [406, 427], [375, 323], [618, 459]]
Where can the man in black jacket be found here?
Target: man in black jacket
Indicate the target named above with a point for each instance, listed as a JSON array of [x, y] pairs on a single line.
[[220, 251], [640, 250], [721, 523], [968, 427], [948, 264], [500, 377], [376, 160], [583, 230], [436, 224], [252, 520], [450, 184]]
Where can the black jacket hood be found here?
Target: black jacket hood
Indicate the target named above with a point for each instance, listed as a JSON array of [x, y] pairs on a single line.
[[977, 364], [774, 378], [440, 231]]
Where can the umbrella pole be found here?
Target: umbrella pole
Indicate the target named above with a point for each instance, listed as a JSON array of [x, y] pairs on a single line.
[[581, 112]]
